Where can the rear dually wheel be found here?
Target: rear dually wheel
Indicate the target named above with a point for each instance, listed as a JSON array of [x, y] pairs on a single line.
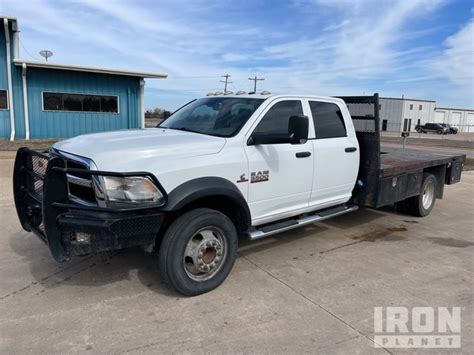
[[422, 204]]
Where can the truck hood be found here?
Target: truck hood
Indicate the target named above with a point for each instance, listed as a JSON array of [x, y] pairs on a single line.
[[112, 150]]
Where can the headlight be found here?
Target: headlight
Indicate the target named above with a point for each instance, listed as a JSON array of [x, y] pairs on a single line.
[[129, 189]]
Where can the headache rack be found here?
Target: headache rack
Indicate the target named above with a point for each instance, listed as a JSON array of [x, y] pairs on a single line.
[[364, 111], [55, 199]]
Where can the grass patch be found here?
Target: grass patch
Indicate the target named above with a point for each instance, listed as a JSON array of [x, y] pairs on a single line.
[[37, 144]]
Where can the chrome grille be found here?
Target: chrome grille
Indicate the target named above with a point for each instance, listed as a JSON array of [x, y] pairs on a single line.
[[80, 185]]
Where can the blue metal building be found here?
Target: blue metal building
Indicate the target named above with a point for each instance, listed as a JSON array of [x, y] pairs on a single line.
[[48, 100]]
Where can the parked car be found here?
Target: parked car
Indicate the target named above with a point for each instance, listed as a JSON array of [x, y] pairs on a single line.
[[432, 128], [220, 168], [451, 129]]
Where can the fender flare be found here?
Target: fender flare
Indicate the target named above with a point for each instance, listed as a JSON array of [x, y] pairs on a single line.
[[198, 188]]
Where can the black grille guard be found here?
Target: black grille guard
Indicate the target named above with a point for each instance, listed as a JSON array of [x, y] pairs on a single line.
[[44, 205]]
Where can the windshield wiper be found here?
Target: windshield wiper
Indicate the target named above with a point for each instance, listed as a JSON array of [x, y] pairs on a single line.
[[186, 130]]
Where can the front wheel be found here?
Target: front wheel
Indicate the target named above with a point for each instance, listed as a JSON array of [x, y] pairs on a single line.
[[198, 251], [422, 204], [440, 132], [419, 130]]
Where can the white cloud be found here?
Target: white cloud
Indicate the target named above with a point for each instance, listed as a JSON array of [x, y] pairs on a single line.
[[456, 63], [327, 46]]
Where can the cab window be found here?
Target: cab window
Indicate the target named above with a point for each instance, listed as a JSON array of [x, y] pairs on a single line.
[[328, 120], [275, 122]]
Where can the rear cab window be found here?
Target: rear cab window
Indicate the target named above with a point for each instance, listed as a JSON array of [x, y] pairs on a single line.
[[328, 120]]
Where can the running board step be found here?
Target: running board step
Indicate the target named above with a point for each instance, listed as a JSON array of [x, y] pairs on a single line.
[[279, 227]]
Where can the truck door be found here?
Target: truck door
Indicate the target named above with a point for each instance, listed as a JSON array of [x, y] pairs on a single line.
[[336, 155], [280, 174]]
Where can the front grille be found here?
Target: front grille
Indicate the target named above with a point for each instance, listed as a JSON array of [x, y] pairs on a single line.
[[80, 185]]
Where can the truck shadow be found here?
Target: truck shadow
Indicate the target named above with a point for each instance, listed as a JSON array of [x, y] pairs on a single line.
[[97, 270], [359, 217], [134, 264]]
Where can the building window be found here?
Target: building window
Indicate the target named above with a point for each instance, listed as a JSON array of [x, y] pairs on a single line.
[[3, 100], [411, 106], [420, 107], [328, 120], [53, 101]]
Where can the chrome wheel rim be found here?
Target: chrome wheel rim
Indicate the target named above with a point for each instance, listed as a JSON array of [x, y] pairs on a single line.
[[428, 195], [205, 253]]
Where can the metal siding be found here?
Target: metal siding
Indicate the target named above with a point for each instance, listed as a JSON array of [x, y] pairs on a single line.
[[17, 85], [391, 110], [4, 114], [56, 124]]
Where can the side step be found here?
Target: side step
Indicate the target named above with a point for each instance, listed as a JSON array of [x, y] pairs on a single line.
[[279, 227]]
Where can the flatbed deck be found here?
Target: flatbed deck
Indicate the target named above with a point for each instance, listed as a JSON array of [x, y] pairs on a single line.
[[388, 175], [394, 161]]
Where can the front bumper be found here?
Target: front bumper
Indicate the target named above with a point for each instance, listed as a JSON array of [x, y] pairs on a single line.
[[45, 207]]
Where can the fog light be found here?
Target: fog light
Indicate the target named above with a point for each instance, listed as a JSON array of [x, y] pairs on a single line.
[[81, 238]]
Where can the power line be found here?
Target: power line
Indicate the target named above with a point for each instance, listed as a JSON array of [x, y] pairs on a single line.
[[255, 79], [27, 52], [226, 81]]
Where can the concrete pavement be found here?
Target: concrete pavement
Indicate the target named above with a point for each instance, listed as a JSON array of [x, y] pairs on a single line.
[[304, 291]]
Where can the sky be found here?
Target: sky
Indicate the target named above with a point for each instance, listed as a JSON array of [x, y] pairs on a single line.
[[417, 48]]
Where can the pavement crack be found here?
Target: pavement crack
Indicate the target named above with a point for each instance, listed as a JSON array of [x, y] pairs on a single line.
[[340, 319], [341, 246]]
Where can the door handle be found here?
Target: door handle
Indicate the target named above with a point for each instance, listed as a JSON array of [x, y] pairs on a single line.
[[350, 149], [303, 154]]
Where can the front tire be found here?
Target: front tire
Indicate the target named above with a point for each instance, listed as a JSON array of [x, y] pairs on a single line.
[[422, 204], [198, 251]]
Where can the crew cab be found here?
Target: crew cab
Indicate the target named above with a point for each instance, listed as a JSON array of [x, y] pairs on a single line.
[[220, 168]]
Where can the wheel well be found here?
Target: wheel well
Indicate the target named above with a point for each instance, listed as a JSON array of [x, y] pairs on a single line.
[[439, 173], [224, 204]]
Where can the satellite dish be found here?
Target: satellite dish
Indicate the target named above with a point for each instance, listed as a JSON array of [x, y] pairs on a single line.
[[46, 54]]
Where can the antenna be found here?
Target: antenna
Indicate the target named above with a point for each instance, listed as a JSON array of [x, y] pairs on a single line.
[[255, 79], [226, 81], [46, 54]]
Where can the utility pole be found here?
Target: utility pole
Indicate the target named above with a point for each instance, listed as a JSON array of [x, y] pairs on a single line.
[[255, 79], [226, 81]]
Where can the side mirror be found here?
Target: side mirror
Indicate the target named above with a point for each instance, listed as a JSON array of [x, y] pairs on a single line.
[[298, 129]]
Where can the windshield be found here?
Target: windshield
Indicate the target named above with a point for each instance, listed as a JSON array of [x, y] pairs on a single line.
[[215, 116]]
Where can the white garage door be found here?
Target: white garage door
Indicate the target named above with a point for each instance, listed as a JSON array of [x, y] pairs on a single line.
[[469, 123], [439, 116], [455, 119]]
